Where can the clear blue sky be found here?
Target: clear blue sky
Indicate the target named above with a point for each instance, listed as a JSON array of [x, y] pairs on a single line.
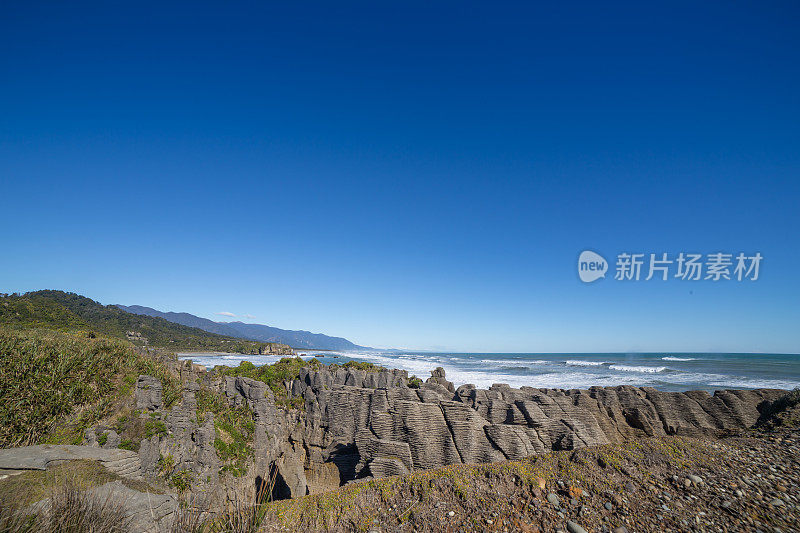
[[417, 175]]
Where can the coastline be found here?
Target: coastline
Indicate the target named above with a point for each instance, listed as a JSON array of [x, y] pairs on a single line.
[[663, 371], [356, 446]]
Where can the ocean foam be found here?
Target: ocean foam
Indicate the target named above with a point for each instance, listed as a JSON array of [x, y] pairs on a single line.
[[642, 369], [585, 363], [671, 358], [513, 362], [737, 382]]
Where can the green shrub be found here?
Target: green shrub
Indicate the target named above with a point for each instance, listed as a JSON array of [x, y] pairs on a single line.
[[154, 427], [166, 464], [181, 480], [55, 385], [121, 423], [362, 365]]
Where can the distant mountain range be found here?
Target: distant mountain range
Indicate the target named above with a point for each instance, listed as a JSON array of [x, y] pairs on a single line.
[[67, 311], [254, 332]]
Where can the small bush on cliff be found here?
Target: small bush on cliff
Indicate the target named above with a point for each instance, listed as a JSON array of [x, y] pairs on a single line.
[[181, 480], [154, 427], [362, 365], [234, 440], [166, 464], [414, 382]]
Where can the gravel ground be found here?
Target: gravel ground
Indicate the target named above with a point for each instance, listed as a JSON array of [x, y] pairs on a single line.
[[748, 482]]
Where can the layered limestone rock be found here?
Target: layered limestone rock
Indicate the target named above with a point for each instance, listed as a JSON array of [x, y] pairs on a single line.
[[372, 423], [358, 423], [149, 393]]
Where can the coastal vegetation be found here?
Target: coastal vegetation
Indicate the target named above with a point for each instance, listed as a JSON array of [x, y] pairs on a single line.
[[357, 365], [69, 509], [414, 382], [274, 375], [54, 385]]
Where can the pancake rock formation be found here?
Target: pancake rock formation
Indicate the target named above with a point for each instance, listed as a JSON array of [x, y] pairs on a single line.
[[374, 424], [349, 424]]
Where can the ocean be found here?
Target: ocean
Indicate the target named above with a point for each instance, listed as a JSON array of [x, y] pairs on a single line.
[[664, 371]]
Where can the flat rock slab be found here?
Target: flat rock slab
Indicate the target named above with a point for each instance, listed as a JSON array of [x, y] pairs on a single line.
[[148, 512], [40, 457]]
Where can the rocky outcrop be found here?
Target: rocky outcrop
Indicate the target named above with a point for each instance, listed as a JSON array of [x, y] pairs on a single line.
[[187, 443], [149, 393], [361, 423], [373, 424], [274, 348], [438, 378]]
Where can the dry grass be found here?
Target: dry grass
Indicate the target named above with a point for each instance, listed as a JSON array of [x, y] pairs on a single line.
[[240, 518], [29, 487], [193, 516], [69, 509]]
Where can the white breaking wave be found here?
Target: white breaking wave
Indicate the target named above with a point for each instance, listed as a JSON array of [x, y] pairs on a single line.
[[573, 380], [585, 363], [671, 358], [644, 369], [736, 382], [513, 362]]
